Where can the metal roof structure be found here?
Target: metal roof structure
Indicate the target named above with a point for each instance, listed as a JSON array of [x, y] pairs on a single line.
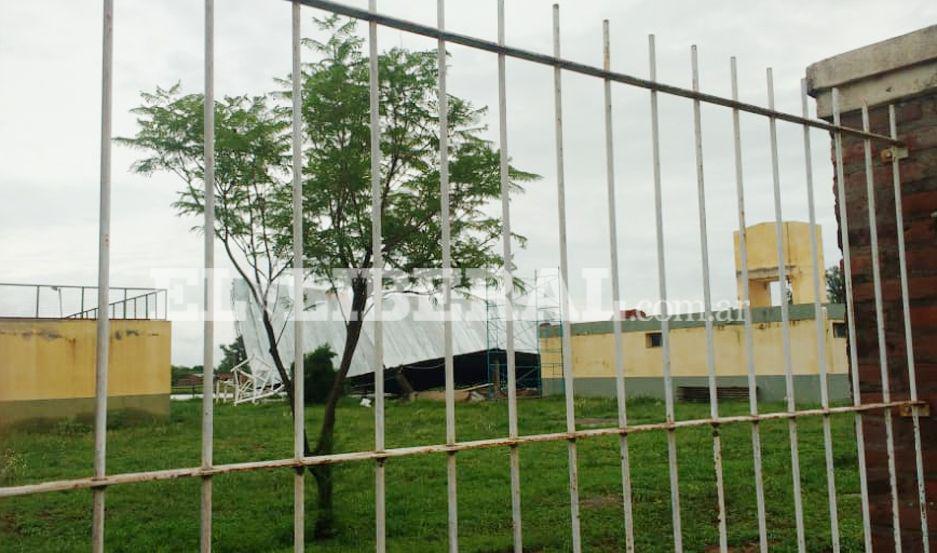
[[414, 332]]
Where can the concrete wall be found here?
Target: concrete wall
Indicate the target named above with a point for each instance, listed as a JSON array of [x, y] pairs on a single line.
[[761, 249], [593, 353], [47, 367]]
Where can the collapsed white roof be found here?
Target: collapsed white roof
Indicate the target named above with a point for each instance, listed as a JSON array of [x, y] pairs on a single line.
[[415, 334]]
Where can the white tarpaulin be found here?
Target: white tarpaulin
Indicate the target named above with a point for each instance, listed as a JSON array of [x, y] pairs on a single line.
[[414, 332]]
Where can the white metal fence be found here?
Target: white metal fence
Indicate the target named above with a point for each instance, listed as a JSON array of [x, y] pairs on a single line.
[[379, 455]]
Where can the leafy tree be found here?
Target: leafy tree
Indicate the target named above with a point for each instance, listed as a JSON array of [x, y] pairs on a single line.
[[318, 374], [337, 189], [232, 355], [179, 371], [251, 182], [253, 186], [835, 285]]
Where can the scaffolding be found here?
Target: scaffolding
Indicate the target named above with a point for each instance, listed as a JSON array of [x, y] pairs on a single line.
[[536, 305]]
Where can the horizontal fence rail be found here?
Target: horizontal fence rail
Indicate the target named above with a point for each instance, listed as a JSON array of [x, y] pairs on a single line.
[[514, 441], [198, 472]]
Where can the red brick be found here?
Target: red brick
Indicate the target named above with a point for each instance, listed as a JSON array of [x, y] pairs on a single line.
[[924, 315], [922, 260], [919, 203], [891, 291], [908, 112], [922, 139], [920, 231], [917, 126], [925, 345]]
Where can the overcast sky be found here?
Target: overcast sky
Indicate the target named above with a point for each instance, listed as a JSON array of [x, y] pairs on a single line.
[[49, 125]]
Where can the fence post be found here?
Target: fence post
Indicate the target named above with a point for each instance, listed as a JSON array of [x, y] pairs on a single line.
[[897, 78]]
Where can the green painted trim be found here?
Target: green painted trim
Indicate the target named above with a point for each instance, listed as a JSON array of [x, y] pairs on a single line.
[[760, 315], [17, 412], [770, 388]]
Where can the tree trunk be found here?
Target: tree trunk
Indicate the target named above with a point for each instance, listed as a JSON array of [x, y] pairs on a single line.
[[325, 522], [281, 370]]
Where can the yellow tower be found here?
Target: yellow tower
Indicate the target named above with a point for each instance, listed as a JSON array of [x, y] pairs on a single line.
[[761, 246]]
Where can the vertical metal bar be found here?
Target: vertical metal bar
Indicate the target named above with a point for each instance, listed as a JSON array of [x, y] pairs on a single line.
[[707, 307], [125, 303], [851, 320], [82, 311], [443, 99], [135, 307], [747, 311], [102, 345], [909, 342], [299, 415], [664, 311], [508, 278], [820, 320], [568, 376], [37, 301], [146, 305], [616, 296], [880, 328], [377, 254], [209, 235], [785, 320]]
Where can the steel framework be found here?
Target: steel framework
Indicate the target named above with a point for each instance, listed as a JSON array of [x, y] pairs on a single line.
[[101, 481]]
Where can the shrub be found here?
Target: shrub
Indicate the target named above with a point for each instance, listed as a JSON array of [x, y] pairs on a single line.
[[319, 373]]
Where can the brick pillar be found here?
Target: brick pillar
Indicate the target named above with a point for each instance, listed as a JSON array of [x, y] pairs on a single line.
[[900, 71]]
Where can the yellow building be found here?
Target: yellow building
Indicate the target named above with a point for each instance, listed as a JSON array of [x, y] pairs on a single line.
[[593, 349], [762, 254], [47, 367]]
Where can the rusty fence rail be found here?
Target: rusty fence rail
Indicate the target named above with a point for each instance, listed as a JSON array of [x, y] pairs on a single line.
[[379, 455]]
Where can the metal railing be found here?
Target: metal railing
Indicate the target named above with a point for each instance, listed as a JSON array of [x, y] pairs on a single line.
[[130, 307], [380, 455], [72, 301]]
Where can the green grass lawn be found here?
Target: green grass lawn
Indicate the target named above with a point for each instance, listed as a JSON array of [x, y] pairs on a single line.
[[253, 511]]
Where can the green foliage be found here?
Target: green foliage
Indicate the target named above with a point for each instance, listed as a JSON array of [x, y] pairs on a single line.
[[233, 354], [179, 371], [337, 186], [251, 154], [252, 165], [318, 374], [835, 285]]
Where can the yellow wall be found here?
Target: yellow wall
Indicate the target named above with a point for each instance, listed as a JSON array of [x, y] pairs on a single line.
[[594, 354], [761, 247], [43, 359]]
